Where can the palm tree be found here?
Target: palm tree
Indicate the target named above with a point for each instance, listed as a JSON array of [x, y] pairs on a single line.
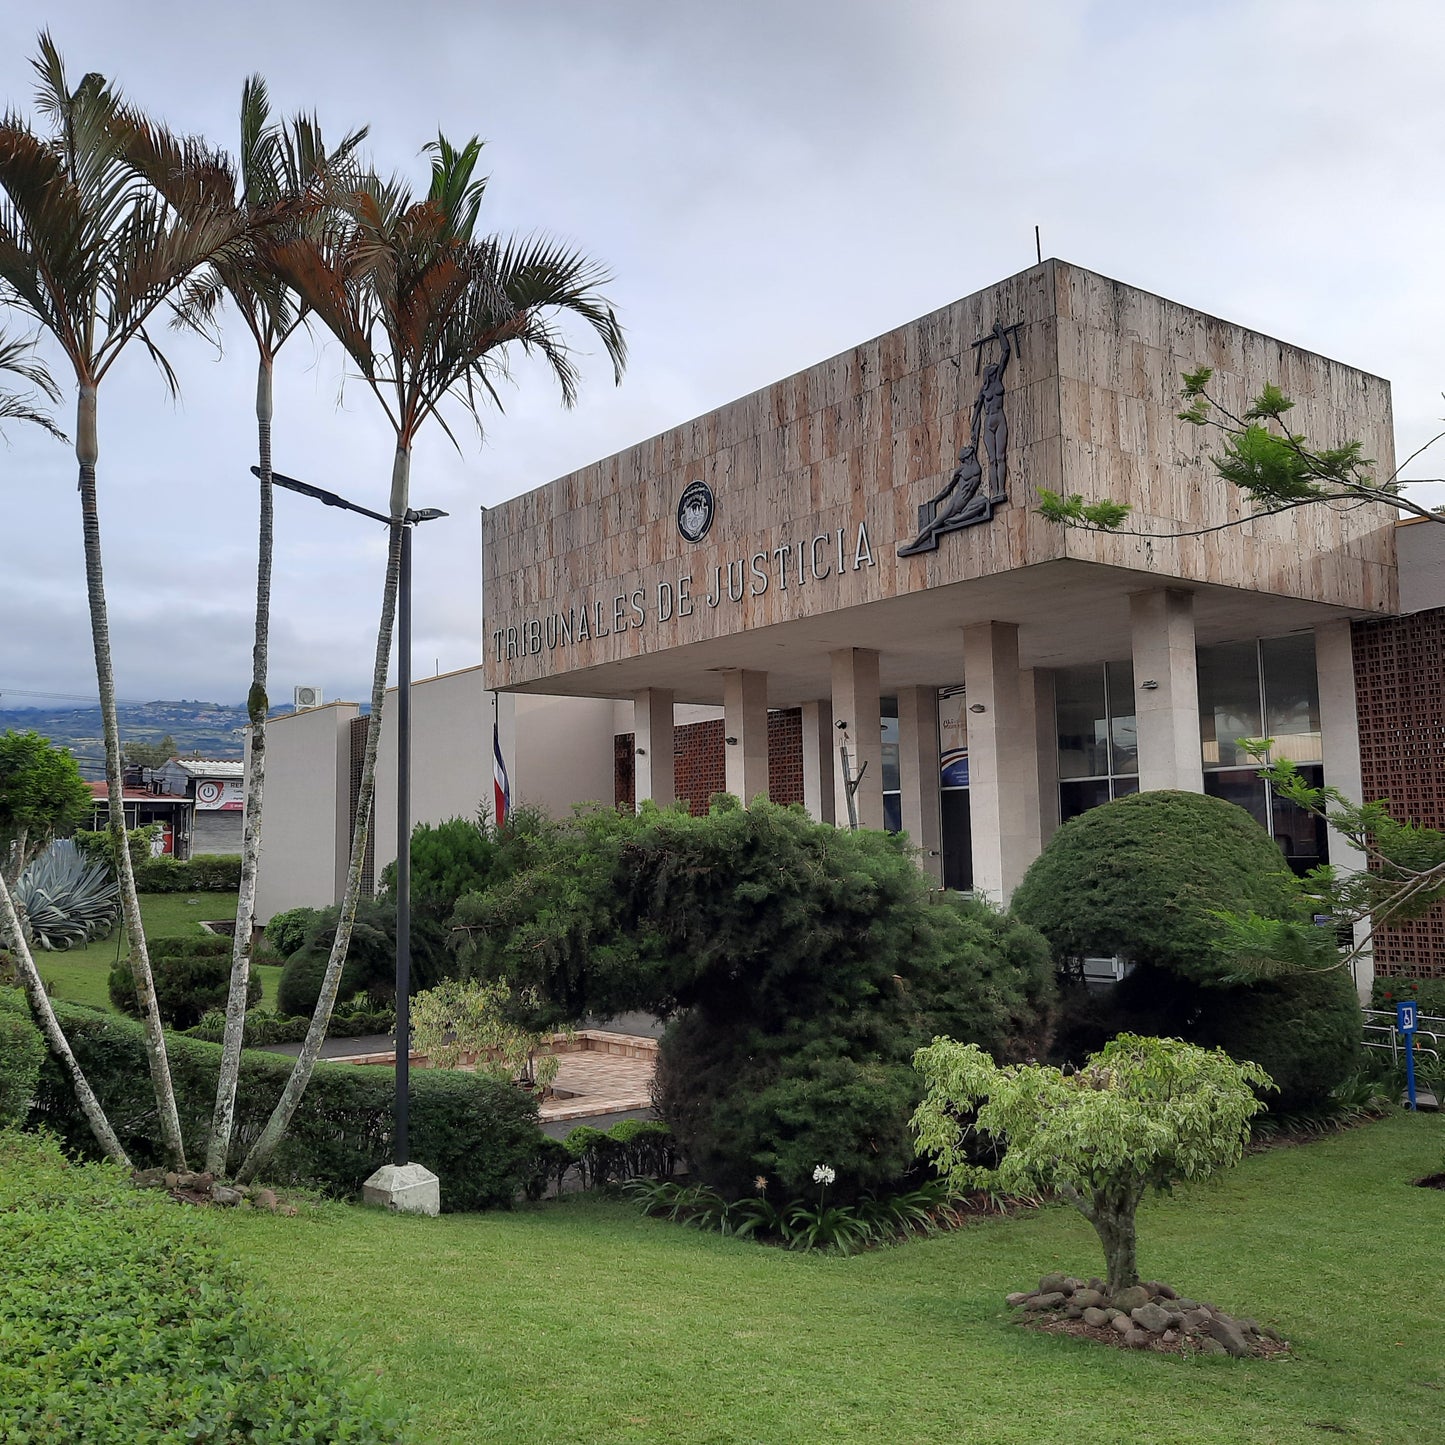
[[15, 358], [427, 312], [89, 251], [281, 168]]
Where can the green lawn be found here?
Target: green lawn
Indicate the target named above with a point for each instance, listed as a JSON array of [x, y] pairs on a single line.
[[80, 974], [582, 1321]]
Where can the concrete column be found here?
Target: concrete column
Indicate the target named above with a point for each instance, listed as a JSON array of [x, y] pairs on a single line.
[[1002, 760], [652, 740], [918, 774], [745, 728], [1340, 744], [1166, 690], [820, 743], [858, 722], [1046, 750]]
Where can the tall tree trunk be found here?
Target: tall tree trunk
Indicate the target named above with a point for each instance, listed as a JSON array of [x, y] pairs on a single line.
[[14, 935], [87, 452], [300, 1075], [257, 706]]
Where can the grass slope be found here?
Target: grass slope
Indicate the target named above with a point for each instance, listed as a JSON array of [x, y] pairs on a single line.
[[583, 1321], [80, 975]]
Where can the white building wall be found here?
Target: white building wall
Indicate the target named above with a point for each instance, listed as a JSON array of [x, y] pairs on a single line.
[[307, 808]]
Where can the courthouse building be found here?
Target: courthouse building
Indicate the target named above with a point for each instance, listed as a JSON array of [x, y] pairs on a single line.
[[838, 591]]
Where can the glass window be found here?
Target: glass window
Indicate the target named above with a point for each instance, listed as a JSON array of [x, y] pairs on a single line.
[[1083, 722], [957, 840], [1228, 702], [1123, 730], [1300, 834], [1292, 697], [1242, 786], [892, 778], [1079, 797]]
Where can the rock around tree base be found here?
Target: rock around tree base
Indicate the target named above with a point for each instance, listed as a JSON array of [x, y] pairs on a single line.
[[1148, 1316]]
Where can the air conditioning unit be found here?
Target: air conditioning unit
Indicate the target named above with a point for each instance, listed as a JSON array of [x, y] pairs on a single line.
[[308, 697]]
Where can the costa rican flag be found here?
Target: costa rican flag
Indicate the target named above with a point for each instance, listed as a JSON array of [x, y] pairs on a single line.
[[500, 786]]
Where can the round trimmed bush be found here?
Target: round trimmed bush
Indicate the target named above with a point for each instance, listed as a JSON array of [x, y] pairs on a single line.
[[1304, 1030], [1142, 878], [192, 976]]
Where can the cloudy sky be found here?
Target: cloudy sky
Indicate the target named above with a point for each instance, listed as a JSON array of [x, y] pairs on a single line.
[[769, 183]]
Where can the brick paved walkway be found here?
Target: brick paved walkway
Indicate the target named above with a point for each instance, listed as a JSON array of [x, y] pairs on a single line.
[[599, 1073]]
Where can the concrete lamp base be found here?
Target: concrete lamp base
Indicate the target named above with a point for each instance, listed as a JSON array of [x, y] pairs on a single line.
[[406, 1188]]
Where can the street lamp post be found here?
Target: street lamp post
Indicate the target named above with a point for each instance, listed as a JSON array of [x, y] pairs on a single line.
[[400, 1153]]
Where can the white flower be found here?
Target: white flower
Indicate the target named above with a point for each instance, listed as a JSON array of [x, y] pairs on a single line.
[[824, 1174]]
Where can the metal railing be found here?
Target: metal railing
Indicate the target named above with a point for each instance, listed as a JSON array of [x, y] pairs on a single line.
[[1381, 1033]]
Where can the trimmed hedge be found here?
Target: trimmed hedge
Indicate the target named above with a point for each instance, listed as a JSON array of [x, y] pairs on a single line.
[[22, 1051], [203, 873], [287, 930], [121, 1321], [192, 977], [477, 1135], [264, 1028]]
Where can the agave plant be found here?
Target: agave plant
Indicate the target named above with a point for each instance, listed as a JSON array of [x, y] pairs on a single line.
[[66, 898]]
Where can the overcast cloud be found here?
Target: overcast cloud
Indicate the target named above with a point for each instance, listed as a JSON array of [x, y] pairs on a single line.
[[769, 184]]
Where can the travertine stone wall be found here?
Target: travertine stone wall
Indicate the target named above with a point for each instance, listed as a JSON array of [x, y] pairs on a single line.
[[818, 479]]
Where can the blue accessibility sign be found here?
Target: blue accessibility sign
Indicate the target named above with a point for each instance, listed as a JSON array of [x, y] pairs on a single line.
[[1405, 1017]]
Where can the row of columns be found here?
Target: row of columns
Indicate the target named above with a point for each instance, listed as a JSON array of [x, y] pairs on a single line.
[[1012, 741]]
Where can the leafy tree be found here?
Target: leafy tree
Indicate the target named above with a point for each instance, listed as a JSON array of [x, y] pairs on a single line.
[[90, 252], [1277, 470], [1405, 877], [470, 1021], [1141, 1113], [284, 170], [149, 755], [803, 964], [428, 313], [41, 794]]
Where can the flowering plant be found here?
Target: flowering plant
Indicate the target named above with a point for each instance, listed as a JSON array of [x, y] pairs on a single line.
[[824, 1174]]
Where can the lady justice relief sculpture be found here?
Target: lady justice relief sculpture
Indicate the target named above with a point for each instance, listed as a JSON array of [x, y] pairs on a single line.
[[963, 502]]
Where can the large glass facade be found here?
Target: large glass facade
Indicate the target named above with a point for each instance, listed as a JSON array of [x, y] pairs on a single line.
[[1098, 740], [1265, 688]]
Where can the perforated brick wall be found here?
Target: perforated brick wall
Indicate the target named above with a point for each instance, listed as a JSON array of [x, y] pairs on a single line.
[[700, 765], [1400, 696]]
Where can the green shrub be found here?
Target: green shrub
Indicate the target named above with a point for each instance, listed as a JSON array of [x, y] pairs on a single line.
[[22, 1051], [1304, 1030], [805, 965], [121, 1321], [478, 1136], [192, 976], [550, 1166], [1145, 878], [300, 984], [96, 845], [66, 898], [264, 1028], [1142, 878], [203, 873], [287, 930], [1427, 993]]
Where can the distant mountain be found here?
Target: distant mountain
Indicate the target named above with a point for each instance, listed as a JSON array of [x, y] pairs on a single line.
[[204, 729]]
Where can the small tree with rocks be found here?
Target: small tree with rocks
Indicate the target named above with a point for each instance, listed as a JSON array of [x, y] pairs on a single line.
[[1141, 1113]]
